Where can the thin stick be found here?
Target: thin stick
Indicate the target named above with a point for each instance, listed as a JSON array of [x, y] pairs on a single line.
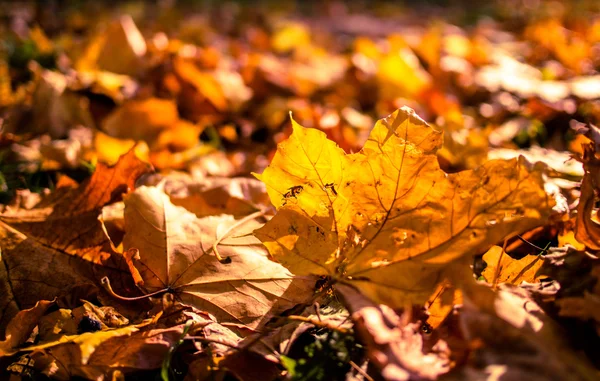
[[543, 250], [361, 371], [106, 284], [316, 306], [211, 341], [318, 323], [228, 232]]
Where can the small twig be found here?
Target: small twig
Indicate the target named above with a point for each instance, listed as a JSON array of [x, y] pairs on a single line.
[[361, 371], [317, 312], [529, 266], [318, 323], [231, 228], [543, 250], [212, 341], [106, 284]]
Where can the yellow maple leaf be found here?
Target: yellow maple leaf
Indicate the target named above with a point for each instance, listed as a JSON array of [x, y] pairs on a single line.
[[387, 219], [502, 268]]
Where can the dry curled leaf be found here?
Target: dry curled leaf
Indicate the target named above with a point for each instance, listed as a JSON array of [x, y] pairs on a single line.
[[21, 326], [387, 219], [176, 253], [587, 229], [395, 348], [508, 330], [93, 355]]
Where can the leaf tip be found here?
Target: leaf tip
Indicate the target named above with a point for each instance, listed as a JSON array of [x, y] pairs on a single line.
[[295, 125]]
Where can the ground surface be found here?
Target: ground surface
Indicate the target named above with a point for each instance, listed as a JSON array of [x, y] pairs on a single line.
[[341, 191]]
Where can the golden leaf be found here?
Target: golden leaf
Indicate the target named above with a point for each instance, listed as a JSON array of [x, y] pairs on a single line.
[[109, 149], [121, 36], [141, 119], [387, 219], [501, 268]]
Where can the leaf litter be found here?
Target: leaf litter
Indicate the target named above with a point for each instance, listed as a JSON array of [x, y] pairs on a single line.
[[455, 239]]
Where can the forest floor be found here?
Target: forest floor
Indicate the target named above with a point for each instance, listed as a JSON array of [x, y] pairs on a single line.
[[292, 191]]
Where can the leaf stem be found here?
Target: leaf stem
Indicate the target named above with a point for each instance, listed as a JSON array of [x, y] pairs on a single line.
[[361, 371], [249, 217], [106, 284]]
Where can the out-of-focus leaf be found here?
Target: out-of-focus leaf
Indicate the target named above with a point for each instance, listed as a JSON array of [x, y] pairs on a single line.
[[587, 229], [109, 149], [141, 119], [238, 196], [202, 85], [516, 339], [396, 349], [121, 36]]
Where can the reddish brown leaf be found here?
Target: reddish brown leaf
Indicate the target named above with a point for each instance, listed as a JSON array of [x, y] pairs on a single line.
[[60, 242]]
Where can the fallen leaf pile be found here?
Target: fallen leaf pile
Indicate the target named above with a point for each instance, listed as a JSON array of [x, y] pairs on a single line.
[[319, 192]]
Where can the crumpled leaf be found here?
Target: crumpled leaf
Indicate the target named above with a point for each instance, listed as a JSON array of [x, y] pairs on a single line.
[[64, 322], [60, 242], [92, 355], [397, 350], [54, 109], [502, 268], [21, 326], [387, 219], [512, 334], [584, 308], [175, 252], [577, 272], [587, 229]]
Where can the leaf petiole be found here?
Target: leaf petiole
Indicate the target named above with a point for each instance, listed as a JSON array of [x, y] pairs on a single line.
[[106, 284], [249, 217]]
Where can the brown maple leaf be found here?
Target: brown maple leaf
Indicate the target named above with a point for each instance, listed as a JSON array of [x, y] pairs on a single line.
[[176, 253]]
